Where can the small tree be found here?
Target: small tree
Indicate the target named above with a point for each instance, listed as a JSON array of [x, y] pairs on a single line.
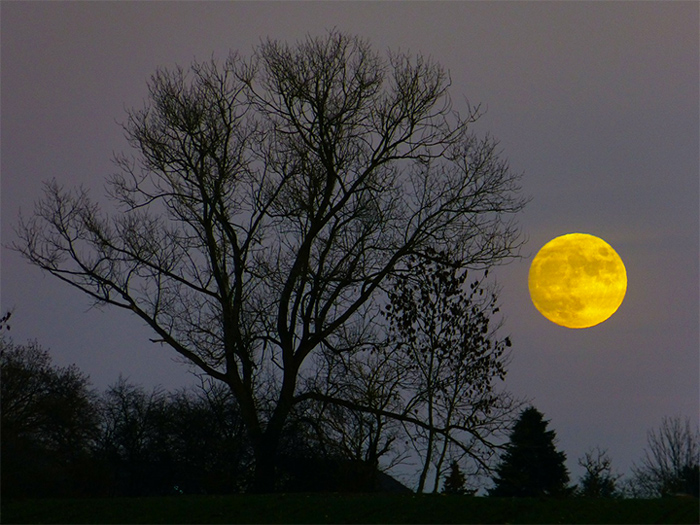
[[452, 360], [671, 462], [531, 465], [454, 481], [598, 481]]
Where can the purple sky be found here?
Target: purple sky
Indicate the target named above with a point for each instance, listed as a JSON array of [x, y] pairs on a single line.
[[596, 103]]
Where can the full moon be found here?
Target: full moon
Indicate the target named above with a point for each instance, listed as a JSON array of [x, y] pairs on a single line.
[[577, 280]]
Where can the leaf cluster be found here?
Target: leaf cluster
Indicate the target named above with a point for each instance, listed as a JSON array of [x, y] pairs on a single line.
[[434, 316]]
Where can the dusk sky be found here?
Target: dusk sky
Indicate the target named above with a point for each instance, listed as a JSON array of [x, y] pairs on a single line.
[[596, 103]]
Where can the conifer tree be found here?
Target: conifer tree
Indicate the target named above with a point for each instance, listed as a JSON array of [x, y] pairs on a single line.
[[454, 481], [531, 465]]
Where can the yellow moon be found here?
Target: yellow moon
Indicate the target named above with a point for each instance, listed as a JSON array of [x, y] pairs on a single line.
[[577, 280]]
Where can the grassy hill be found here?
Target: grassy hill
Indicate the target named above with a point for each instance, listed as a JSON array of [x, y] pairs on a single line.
[[348, 508]]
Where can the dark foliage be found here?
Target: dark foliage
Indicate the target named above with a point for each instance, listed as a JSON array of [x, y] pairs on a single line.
[[531, 465], [454, 481], [156, 444], [60, 439], [49, 422]]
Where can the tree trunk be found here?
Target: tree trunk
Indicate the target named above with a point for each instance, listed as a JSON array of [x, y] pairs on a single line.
[[431, 433], [264, 477], [438, 467], [265, 450], [426, 464]]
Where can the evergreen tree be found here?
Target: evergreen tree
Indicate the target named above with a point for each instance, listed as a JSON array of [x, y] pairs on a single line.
[[531, 466], [454, 481]]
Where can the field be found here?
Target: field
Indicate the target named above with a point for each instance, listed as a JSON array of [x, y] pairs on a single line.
[[345, 508]]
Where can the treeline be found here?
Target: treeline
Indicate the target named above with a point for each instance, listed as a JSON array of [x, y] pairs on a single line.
[[60, 438], [531, 466]]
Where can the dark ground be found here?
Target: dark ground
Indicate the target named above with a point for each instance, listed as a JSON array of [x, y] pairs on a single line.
[[345, 508]]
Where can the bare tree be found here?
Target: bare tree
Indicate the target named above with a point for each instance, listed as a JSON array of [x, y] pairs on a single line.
[[134, 441], [365, 428], [133, 421], [671, 460], [434, 371], [268, 202], [452, 359], [599, 481]]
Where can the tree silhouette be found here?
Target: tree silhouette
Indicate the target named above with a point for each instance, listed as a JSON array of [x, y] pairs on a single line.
[[49, 423], [151, 441], [531, 465], [598, 481], [671, 462], [268, 203], [207, 440], [434, 371], [60, 439], [451, 360], [454, 481], [134, 438]]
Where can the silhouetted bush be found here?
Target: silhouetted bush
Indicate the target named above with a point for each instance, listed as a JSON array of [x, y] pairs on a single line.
[[49, 423]]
